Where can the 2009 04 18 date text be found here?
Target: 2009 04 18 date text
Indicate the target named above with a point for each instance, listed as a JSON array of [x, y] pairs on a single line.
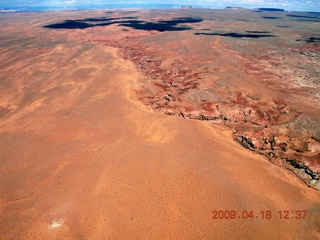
[[264, 214]]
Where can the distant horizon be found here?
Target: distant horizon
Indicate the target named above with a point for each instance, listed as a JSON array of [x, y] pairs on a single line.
[[124, 7], [46, 5]]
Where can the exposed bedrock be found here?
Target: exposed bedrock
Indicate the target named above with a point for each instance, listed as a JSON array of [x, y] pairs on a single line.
[[260, 98], [270, 127]]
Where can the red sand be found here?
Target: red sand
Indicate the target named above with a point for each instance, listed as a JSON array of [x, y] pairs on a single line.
[[83, 158]]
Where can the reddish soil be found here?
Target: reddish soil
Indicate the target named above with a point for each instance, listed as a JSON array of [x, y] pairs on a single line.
[[95, 136], [265, 91]]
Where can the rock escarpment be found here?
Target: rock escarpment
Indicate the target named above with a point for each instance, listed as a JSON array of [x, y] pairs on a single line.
[[265, 91]]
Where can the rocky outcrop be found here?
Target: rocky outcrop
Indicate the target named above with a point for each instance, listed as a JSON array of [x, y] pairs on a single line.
[[271, 128], [182, 82]]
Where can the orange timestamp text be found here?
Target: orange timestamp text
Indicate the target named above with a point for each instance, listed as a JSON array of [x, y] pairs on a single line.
[[264, 214]]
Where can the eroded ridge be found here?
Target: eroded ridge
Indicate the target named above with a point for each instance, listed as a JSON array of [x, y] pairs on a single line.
[[265, 91], [272, 128]]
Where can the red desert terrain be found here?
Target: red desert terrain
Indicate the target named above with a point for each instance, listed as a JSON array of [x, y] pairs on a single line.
[[160, 124]]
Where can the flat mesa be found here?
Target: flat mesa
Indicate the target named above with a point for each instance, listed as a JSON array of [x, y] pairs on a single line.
[[159, 124]]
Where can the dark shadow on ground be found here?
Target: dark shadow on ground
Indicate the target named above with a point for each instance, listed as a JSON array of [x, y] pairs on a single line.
[[103, 19], [260, 32], [312, 40], [236, 35], [299, 16], [283, 26], [161, 25], [271, 17], [86, 23], [270, 9], [128, 12], [305, 20], [244, 20], [69, 24]]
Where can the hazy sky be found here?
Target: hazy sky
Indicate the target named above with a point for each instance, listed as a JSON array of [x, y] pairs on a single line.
[[298, 5]]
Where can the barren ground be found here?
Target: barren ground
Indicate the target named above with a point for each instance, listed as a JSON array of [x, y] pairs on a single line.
[[127, 124]]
